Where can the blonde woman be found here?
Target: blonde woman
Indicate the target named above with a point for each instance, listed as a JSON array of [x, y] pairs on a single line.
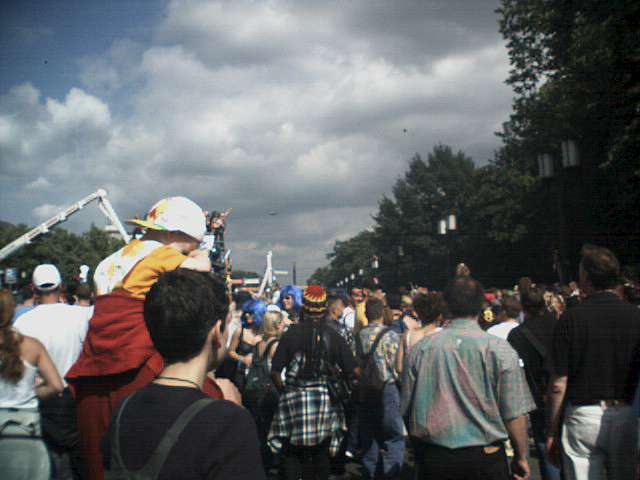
[[261, 396], [23, 454]]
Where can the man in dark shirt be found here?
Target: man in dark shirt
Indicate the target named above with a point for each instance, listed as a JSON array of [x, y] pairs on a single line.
[[183, 313], [595, 360], [533, 341]]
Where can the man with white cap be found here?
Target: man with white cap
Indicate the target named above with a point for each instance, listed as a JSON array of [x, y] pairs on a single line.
[[61, 328], [119, 357]]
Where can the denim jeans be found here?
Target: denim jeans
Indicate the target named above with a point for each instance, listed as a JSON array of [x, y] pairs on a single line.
[[600, 442], [538, 427], [382, 436]]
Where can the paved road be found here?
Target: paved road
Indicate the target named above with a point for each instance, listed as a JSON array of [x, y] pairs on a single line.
[[354, 470]]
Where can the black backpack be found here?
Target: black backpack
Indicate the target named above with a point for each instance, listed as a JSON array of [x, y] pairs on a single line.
[[258, 383], [151, 470], [371, 384]]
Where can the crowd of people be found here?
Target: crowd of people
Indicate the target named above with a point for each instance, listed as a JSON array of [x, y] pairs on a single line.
[[165, 376]]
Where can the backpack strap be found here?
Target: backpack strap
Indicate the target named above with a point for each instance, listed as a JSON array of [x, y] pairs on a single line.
[[155, 463], [116, 438], [269, 346], [375, 343], [535, 343]]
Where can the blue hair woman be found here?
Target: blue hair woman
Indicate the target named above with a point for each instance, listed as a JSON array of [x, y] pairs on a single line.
[[246, 338], [290, 301]]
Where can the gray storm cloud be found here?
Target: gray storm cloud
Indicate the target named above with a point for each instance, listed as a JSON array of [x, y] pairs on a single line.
[[310, 109]]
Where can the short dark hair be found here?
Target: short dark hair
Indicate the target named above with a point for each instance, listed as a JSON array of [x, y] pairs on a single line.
[[429, 306], [84, 292], [511, 306], [532, 300], [374, 308], [464, 297], [26, 292], [180, 310], [601, 266]]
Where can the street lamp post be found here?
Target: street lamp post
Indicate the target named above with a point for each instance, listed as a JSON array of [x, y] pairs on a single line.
[[446, 227], [570, 158]]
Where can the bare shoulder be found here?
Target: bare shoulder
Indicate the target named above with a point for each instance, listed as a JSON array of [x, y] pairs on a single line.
[[30, 349]]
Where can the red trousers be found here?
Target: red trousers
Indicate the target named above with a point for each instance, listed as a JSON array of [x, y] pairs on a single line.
[[97, 398]]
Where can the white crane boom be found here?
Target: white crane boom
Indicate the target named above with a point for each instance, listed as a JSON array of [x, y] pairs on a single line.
[[44, 227]]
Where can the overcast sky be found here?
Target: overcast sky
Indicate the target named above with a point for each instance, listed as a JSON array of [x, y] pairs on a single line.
[[311, 109]]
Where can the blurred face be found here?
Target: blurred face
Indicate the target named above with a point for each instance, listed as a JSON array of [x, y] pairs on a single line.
[[287, 301], [357, 295], [379, 294], [557, 305], [337, 309]]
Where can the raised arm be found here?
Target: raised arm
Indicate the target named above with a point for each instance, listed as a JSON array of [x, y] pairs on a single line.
[[197, 260]]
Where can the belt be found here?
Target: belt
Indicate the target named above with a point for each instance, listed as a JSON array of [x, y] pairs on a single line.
[[603, 403]]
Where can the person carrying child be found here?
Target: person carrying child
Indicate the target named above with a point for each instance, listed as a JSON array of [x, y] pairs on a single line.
[[118, 356]]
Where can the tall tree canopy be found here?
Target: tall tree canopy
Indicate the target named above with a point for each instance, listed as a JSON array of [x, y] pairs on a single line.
[[64, 249]]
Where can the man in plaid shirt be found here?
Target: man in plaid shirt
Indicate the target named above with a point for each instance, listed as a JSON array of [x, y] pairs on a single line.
[[465, 393], [309, 425]]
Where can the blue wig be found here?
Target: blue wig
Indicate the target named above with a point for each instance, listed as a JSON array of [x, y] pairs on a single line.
[[296, 293], [257, 308]]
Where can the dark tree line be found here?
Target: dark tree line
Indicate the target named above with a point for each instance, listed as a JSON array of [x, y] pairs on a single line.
[[64, 249], [575, 74]]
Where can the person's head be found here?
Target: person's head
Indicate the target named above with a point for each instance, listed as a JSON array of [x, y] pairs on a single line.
[[175, 221], [374, 309], [430, 308], [462, 270], [378, 292], [26, 295], [84, 294], [253, 314], [533, 301], [47, 283], [7, 307], [290, 299], [11, 365], [599, 268], [510, 307], [272, 324], [557, 305], [464, 297], [357, 295], [314, 307], [336, 308], [184, 312]]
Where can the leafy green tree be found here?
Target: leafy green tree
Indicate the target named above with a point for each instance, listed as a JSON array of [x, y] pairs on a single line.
[[574, 73], [64, 249]]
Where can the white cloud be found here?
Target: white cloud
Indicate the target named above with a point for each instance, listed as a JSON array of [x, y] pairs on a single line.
[[39, 183], [310, 109], [45, 211]]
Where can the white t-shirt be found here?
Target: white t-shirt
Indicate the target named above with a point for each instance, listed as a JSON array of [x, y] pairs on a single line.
[[348, 317], [61, 328], [502, 329]]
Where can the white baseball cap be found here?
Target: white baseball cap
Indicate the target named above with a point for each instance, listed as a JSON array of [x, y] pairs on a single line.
[[46, 277], [175, 214]]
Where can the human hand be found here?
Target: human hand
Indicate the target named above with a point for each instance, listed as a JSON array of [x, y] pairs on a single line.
[[520, 468]]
